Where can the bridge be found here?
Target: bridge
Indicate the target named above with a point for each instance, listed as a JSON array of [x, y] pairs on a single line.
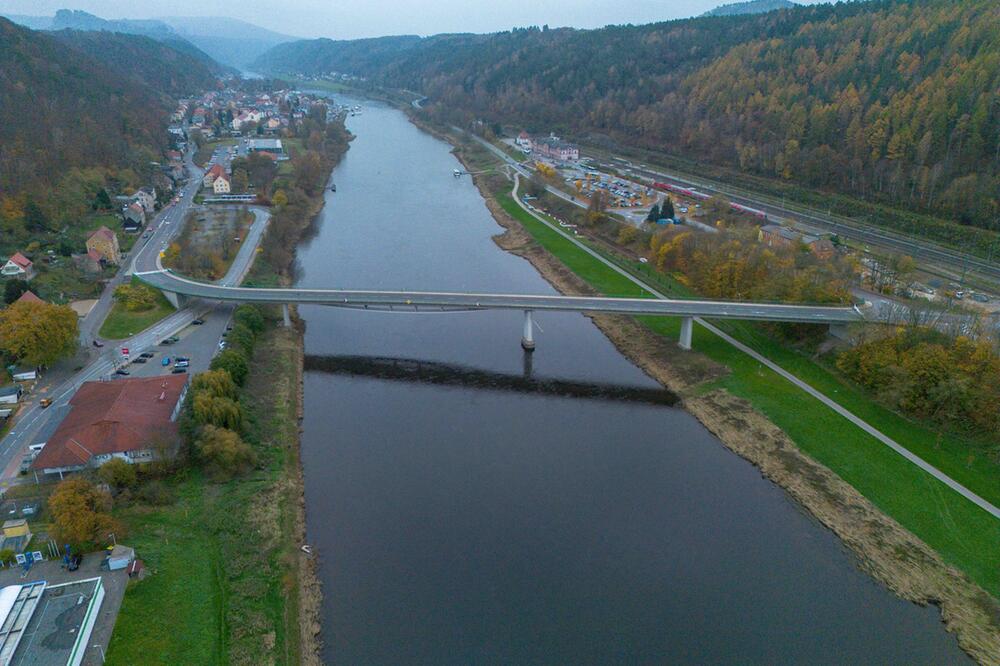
[[175, 287]]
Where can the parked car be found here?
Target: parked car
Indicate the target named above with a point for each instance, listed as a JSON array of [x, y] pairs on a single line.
[[198, 322], [177, 371], [98, 343], [139, 360], [122, 371], [165, 361], [181, 364], [146, 355], [182, 358]]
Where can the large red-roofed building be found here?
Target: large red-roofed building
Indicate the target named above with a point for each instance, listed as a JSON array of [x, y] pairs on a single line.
[[131, 419]]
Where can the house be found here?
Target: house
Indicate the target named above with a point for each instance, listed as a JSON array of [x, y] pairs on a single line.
[[213, 173], [28, 297], [10, 395], [145, 197], [556, 149], [221, 185], [105, 243], [89, 262], [18, 266], [132, 419], [523, 140], [133, 217], [774, 235], [272, 146], [24, 374], [15, 535]]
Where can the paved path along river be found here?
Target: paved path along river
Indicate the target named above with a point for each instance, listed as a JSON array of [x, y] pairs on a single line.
[[456, 522]]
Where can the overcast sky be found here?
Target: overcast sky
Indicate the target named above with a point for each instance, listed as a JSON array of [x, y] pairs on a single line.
[[345, 19]]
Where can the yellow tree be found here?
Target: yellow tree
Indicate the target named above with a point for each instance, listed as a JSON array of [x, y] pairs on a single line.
[[80, 512], [38, 333]]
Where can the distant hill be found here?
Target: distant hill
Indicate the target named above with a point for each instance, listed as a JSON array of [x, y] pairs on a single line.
[[751, 7], [164, 66], [320, 56], [83, 99], [893, 101], [230, 41], [66, 19], [79, 20]]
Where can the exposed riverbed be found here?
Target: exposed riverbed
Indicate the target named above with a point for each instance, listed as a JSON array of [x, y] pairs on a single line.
[[464, 511]]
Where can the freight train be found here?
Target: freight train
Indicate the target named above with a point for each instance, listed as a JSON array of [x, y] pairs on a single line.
[[701, 196]]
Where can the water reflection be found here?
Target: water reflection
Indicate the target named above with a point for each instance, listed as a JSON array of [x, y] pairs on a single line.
[[449, 374]]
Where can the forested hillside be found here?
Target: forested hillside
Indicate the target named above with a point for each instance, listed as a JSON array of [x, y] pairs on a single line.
[[893, 100], [61, 108], [751, 7], [159, 65]]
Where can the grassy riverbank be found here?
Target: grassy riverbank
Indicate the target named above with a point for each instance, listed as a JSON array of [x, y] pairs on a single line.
[[964, 534], [223, 558]]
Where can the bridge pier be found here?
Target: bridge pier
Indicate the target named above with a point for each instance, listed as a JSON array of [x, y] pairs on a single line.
[[687, 325], [175, 299], [528, 336], [285, 316]]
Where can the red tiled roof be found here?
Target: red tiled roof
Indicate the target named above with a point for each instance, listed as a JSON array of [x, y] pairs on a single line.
[[113, 417], [29, 297], [21, 260], [217, 171], [103, 232]]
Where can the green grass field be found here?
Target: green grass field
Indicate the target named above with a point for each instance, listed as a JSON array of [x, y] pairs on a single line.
[[965, 535], [120, 323]]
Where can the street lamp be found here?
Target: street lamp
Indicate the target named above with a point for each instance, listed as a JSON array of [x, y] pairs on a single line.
[[101, 648]]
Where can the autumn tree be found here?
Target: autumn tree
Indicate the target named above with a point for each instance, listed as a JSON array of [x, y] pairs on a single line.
[[135, 297], [216, 383], [224, 451], [209, 409], [597, 209], [80, 512], [38, 333]]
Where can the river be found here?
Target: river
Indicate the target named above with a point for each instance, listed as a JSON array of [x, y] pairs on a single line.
[[465, 511]]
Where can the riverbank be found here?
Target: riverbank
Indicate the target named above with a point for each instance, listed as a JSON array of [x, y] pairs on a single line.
[[229, 580], [885, 549]]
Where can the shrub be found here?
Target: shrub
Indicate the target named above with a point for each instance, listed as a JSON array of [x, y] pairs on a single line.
[[251, 317], [218, 383], [155, 493], [118, 474], [243, 338]]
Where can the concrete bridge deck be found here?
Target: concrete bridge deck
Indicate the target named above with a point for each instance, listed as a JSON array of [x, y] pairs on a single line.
[[410, 301]]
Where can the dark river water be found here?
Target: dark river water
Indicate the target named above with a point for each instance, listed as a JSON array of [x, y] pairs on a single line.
[[469, 507]]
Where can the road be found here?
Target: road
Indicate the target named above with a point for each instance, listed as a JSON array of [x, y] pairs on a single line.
[[34, 423]]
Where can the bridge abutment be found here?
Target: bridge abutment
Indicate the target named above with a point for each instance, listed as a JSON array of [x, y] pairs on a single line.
[[687, 327], [285, 315], [528, 336]]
